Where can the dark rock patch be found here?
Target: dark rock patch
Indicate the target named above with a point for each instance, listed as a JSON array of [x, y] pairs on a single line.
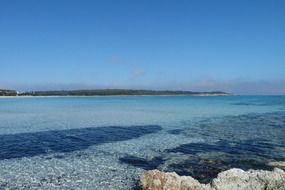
[[175, 131], [62, 141], [142, 163]]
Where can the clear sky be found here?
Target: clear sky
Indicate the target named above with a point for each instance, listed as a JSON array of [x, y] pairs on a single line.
[[231, 45]]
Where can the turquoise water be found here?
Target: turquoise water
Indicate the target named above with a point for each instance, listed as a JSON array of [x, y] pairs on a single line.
[[107, 142]]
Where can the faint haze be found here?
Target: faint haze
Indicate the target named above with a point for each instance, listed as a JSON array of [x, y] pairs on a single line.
[[237, 87]]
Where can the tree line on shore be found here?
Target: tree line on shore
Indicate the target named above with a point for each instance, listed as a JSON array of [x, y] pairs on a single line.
[[4, 92], [106, 92]]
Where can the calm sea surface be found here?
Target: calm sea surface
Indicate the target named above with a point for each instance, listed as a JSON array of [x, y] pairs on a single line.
[[107, 142]]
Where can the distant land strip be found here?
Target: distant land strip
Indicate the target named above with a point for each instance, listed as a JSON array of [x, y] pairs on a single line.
[[111, 92]]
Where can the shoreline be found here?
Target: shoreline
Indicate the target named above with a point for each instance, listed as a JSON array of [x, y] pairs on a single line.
[[55, 96]]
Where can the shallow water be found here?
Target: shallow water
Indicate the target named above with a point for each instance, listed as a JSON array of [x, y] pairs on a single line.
[[107, 142]]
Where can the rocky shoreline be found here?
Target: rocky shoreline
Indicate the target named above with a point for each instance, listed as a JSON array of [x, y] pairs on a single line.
[[233, 179]]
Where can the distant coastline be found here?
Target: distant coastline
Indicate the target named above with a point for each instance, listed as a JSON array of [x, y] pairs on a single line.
[[109, 92]]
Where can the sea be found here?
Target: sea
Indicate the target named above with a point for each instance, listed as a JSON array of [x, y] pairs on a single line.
[[106, 143]]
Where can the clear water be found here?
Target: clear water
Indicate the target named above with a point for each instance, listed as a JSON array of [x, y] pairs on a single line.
[[107, 142]]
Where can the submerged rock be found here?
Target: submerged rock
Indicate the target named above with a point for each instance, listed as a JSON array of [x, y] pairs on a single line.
[[233, 179], [278, 164]]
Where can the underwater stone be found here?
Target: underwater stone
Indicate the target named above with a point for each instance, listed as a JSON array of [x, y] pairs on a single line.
[[278, 164]]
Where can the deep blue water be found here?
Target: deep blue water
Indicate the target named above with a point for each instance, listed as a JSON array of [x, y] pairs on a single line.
[[83, 142]]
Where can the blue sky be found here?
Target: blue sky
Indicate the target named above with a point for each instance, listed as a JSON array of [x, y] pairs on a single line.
[[236, 46]]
